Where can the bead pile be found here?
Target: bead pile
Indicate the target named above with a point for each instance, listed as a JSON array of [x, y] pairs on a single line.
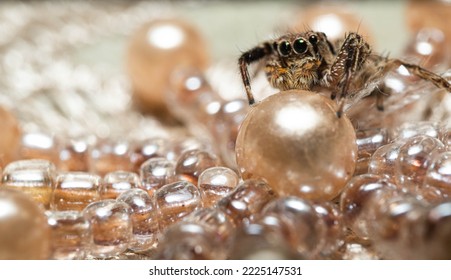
[[228, 184]]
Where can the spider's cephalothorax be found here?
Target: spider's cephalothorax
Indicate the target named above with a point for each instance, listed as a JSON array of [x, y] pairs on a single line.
[[308, 61]]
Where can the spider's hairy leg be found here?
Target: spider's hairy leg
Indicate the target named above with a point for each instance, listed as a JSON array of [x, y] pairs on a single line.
[[350, 58], [246, 59], [393, 63]]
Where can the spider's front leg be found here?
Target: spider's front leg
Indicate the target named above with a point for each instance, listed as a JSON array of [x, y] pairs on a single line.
[[350, 58], [246, 59]]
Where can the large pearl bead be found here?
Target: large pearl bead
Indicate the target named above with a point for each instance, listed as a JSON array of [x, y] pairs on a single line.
[[156, 50], [295, 141]]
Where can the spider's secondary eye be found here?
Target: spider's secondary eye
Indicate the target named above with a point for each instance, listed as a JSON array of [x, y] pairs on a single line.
[[313, 39], [284, 48], [300, 46]]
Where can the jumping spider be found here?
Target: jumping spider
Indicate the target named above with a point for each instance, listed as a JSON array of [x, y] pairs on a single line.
[[309, 61]]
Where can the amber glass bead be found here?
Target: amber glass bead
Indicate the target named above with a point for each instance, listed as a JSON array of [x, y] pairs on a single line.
[[34, 177], [414, 159], [117, 182], [24, 233], [296, 142], [298, 222], [156, 50], [75, 190], [368, 141], [74, 155], [257, 242], [355, 200], [176, 200], [111, 226], [10, 140], [190, 241], [193, 162], [71, 234], [39, 145], [109, 155], [144, 219], [438, 174], [215, 183], [244, 204], [155, 173]]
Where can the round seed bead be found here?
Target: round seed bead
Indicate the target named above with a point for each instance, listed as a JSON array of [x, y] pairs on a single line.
[[215, 183], [155, 173], [117, 182]]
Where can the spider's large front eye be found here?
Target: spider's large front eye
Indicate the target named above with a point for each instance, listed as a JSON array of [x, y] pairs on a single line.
[[313, 39], [284, 48], [300, 46]]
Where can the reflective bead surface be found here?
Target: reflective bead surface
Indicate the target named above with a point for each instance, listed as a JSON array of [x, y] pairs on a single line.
[[215, 183], [117, 182]]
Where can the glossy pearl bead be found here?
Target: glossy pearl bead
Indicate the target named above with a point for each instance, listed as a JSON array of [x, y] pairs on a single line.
[[24, 233], [296, 142], [156, 50]]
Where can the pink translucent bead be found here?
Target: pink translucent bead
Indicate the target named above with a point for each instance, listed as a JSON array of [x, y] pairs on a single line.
[[192, 163], [368, 141], [244, 204], [144, 219], [107, 156], [155, 173], [356, 198], [74, 155], [299, 223], [383, 160], [75, 190], [117, 182], [414, 159], [189, 241], [34, 177], [259, 242], [71, 234], [111, 225], [215, 183], [438, 174], [175, 201], [39, 145]]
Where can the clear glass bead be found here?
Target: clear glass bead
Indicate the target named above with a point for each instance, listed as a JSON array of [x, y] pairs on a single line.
[[258, 242], [147, 149], [216, 221], [71, 234], [244, 204], [437, 239], [34, 177], [411, 129], [117, 182], [334, 225], [109, 155], [215, 183], [190, 241], [155, 173], [414, 159], [438, 174], [111, 226], [74, 155], [368, 141], [75, 190], [144, 219], [192, 163], [299, 223], [356, 198], [175, 201], [383, 160], [39, 145]]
